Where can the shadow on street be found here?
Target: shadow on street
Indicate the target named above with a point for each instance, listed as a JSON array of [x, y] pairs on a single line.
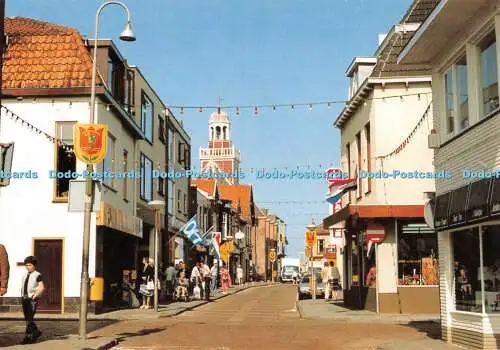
[[12, 332], [431, 329]]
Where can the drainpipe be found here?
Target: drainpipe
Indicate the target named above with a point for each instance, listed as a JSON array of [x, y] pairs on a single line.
[[377, 287]]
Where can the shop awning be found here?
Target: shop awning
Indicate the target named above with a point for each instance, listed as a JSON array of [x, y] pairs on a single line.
[[375, 211], [468, 204]]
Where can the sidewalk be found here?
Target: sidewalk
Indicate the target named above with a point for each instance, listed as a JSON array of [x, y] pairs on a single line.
[[320, 309], [167, 310], [102, 343], [428, 325]]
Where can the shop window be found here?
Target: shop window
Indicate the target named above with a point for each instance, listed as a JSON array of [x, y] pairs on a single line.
[[355, 263], [491, 268], [417, 255], [466, 260], [369, 265]]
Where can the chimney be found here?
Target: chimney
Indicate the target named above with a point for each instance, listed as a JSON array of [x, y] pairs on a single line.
[[381, 38]]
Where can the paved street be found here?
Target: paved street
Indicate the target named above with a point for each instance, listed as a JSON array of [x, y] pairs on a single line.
[[258, 318]]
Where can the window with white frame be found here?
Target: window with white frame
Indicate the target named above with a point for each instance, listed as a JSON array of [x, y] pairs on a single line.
[[462, 93], [450, 111], [489, 74], [146, 187], [171, 197], [147, 117], [109, 162]]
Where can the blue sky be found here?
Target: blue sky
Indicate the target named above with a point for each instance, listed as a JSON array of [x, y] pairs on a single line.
[[249, 53]]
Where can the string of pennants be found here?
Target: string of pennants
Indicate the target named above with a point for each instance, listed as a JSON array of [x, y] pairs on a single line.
[[408, 139], [34, 129], [289, 106]]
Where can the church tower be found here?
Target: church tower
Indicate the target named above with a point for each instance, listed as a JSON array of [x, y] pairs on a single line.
[[221, 155]]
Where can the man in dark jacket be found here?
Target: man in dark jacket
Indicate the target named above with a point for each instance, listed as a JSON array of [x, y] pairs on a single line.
[[4, 270]]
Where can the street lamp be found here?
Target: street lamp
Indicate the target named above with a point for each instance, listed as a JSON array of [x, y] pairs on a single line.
[[157, 205], [310, 227], [126, 35]]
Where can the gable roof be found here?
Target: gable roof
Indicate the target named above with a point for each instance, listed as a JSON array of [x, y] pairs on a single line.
[[206, 185], [43, 55], [241, 194]]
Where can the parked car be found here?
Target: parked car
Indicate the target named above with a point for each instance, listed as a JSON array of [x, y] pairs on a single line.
[[304, 287]]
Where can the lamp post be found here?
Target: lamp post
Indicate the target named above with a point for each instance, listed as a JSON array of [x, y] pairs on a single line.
[[156, 205], [312, 226], [126, 35]]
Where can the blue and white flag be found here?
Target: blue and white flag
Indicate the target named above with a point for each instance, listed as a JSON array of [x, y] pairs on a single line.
[[339, 191], [190, 230]]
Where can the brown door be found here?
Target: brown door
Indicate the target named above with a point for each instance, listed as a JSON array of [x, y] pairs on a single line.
[[49, 255]]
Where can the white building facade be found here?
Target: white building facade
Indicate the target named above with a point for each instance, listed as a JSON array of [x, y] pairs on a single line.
[[465, 62]]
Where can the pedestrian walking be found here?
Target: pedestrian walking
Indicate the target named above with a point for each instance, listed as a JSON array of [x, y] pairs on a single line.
[[207, 278], [225, 278], [324, 278], [4, 270], [334, 280], [32, 289], [147, 283], [239, 274], [170, 274], [214, 274], [195, 280]]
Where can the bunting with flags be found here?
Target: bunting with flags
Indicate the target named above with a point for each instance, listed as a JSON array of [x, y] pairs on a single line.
[[337, 191]]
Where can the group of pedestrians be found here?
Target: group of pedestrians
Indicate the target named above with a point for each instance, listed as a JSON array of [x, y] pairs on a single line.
[[31, 291], [201, 282]]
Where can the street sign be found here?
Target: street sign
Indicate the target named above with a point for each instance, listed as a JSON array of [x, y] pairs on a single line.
[[310, 237], [333, 175], [224, 252], [375, 233], [91, 142], [272, 255], [309, 252]]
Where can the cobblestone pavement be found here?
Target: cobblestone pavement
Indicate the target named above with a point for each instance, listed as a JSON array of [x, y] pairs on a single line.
[[258, 318], [12, 332]]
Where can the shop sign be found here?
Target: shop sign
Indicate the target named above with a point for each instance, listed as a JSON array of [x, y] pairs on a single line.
[[90, 142], [330, 252], [441, 210], [311, 237], [118, 220], [224, 251], [375, 233], [495, 197], [458, 206], [479, 193], [272, 255], [309, 252]]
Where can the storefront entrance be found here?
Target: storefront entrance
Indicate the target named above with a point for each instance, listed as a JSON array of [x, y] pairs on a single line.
[[49, 253]]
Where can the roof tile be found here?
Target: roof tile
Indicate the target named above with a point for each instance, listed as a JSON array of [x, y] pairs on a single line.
[[45, 55]]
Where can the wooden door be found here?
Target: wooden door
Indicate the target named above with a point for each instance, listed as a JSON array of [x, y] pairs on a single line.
[[49, 254]]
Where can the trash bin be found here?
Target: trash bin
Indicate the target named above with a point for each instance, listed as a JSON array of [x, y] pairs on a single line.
[[97, 289]]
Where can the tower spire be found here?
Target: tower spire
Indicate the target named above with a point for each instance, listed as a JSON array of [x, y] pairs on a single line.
[[220, 105]]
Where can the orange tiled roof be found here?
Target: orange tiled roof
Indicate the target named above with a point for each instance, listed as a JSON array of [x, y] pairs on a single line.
[[206, 185], [241, 193], [43, 55]]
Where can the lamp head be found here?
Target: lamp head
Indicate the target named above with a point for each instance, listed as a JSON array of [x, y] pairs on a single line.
[[128, 33]]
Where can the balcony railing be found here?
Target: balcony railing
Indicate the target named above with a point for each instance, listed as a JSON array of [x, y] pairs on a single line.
[[219, 152]]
